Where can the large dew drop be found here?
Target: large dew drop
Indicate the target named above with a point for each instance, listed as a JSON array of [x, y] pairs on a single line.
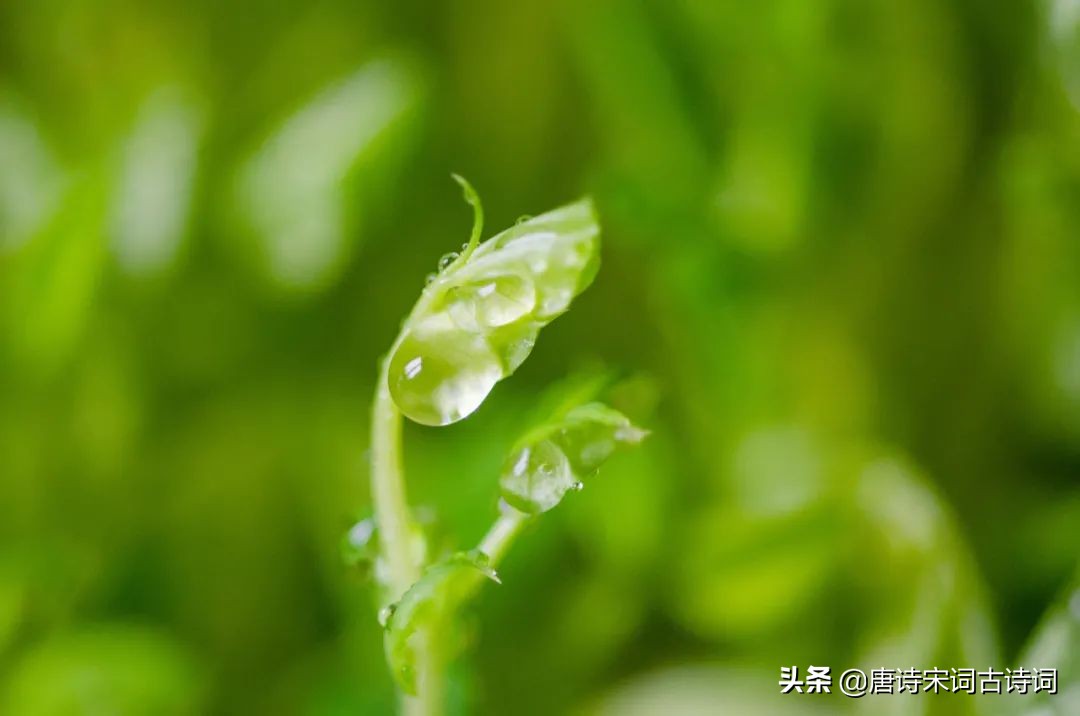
[[439, 377]]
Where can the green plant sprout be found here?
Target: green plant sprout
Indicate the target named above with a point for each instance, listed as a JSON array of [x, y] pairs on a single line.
[[474, 324]]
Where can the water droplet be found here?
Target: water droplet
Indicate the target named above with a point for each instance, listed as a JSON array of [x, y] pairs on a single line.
[[358, 544], [539, 476], [447, 259], [482, 562], [492, 302], [465, 246], [386, 614], [430, 277], [361, 533], [523, 218], [577, 486], [439, 376]]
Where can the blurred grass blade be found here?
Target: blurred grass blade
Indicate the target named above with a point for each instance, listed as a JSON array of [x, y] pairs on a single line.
[[296, 192], [1054, 645], [1064, 31], [49, 292], [930, 607], [30, 179], [152, 203]]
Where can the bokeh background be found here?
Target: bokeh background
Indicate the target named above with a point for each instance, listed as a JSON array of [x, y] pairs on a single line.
[[841, 280]]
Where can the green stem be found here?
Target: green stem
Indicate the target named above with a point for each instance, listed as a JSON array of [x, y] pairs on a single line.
[[397, 538], [396, 531], [392, 515], [428, 700], [502, 534]]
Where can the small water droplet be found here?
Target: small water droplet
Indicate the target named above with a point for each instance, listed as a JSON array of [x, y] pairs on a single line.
[[386, 614], [482, 562], [538, 477], [361, 533], [465, 246], [447, 259], [358, 544], [523, 218], [577, 486], [430, 277]]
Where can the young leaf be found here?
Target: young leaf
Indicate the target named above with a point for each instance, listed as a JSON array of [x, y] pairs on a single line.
[[427, 605], [477, 320], [554, 458]]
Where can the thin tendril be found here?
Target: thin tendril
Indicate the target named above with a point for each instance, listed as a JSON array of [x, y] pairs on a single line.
[[473, 200]]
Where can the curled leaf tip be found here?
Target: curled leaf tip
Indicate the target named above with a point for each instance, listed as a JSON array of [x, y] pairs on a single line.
[[473, 199], [631, 434]]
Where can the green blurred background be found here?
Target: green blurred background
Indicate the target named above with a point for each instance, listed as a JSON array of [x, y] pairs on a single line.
[[841, 268]]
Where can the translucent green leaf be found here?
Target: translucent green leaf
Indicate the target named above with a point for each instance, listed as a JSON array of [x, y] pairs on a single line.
[[554, 458], [478, 319], [427, 605]]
